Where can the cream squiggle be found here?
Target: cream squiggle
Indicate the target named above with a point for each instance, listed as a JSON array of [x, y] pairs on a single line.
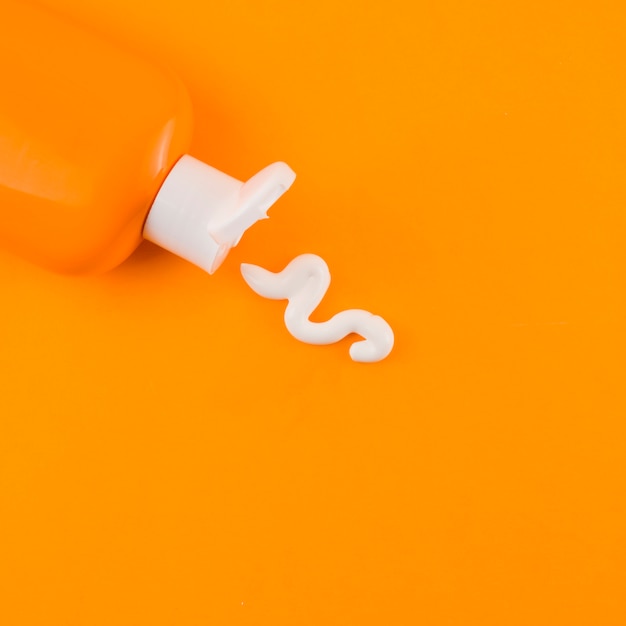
[[304, 283]]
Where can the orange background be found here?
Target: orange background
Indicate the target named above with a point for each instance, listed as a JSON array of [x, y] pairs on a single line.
[[169, 455]]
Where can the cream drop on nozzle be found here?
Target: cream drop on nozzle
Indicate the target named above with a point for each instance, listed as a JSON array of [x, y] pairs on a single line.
[[201, 213]]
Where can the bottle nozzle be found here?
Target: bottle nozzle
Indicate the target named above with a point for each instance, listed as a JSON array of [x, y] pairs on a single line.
[[201, 213], [255, 198]]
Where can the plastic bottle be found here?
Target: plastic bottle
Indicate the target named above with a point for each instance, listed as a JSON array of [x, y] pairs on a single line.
[[93, 155]]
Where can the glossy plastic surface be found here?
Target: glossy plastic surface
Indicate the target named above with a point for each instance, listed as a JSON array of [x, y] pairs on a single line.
[[88, 132]]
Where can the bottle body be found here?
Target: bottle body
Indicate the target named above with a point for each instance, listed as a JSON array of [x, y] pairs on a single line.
[[88, 134]]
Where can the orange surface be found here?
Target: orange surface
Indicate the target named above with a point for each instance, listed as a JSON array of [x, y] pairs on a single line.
[[169, 455], [88, 133]]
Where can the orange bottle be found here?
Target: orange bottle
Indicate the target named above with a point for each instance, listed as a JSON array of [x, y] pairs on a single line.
[[93, 155]]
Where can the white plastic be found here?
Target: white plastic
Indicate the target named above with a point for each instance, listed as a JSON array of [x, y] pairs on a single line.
[[200, 213], [304, 283]]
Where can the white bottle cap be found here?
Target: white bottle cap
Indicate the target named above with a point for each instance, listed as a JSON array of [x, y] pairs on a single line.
[[200, 213]]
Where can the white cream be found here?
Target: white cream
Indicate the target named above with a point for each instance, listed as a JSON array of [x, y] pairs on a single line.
[[304, 283]]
